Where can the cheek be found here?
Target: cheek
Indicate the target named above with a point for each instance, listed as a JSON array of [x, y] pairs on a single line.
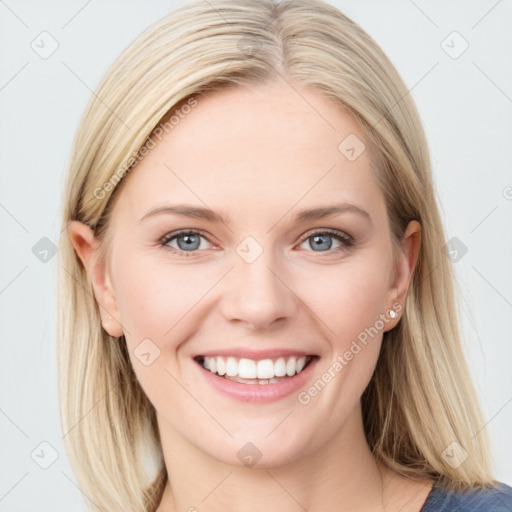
[[158, 307], [163, 303], [160, 302], [348, 299], [349, 307]]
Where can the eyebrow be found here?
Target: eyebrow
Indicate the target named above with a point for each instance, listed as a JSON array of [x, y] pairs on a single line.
[[196, 212]]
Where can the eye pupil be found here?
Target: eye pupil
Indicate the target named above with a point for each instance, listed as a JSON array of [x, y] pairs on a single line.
[[190, 241], [319, 240]]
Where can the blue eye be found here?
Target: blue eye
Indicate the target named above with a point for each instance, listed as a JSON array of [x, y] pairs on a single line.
[[189, 241], [320, 239]]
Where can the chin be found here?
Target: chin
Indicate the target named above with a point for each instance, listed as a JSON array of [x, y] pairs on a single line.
[[253, 449]]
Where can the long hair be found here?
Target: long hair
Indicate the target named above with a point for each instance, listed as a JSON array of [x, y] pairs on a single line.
[[420, 399]]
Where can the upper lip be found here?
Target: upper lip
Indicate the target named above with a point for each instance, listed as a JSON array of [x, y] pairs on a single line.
[[254, 354]]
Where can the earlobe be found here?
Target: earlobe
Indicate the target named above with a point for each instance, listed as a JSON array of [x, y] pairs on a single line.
[[87, 248]]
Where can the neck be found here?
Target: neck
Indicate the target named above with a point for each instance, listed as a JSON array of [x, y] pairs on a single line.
[[340, 476]]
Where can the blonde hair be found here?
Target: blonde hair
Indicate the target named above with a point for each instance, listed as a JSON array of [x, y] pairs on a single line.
[[420, 398]]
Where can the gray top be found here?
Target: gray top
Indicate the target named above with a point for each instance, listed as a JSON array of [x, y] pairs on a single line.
[[498, 499]]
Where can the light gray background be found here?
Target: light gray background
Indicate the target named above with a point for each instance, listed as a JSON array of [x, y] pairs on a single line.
[[464, 102]]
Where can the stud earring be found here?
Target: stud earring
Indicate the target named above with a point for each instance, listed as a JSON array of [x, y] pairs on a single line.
[[392, 313]]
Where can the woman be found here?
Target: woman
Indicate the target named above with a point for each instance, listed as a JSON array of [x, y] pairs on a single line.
[[254, 289]]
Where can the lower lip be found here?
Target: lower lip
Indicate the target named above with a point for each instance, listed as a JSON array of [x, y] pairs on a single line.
[[259, 392]]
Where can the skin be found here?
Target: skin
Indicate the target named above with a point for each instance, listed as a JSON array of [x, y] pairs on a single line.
[[258, 155]]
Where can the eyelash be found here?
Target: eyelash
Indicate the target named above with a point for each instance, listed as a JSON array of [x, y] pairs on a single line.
[[348, 241]]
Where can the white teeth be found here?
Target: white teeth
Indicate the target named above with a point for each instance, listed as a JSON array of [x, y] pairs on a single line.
[[300, 364], [221, 366], [231, 367], [265, 369], [280, 367], [291, 367], [249, 371]]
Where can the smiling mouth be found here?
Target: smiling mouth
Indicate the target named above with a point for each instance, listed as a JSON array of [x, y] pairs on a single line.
[[250, 371]]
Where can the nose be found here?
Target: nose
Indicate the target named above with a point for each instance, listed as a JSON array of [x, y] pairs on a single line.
[[257, 295]]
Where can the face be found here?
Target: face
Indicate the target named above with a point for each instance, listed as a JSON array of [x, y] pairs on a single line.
[[257, 323]]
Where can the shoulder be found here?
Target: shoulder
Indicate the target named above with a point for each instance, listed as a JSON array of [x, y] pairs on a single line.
[[497, 499]]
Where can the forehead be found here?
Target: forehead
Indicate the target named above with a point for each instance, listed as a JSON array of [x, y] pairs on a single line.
[[253, 149]]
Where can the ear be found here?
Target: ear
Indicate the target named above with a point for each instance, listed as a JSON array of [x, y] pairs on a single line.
[[87, 249], [404, 270]]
